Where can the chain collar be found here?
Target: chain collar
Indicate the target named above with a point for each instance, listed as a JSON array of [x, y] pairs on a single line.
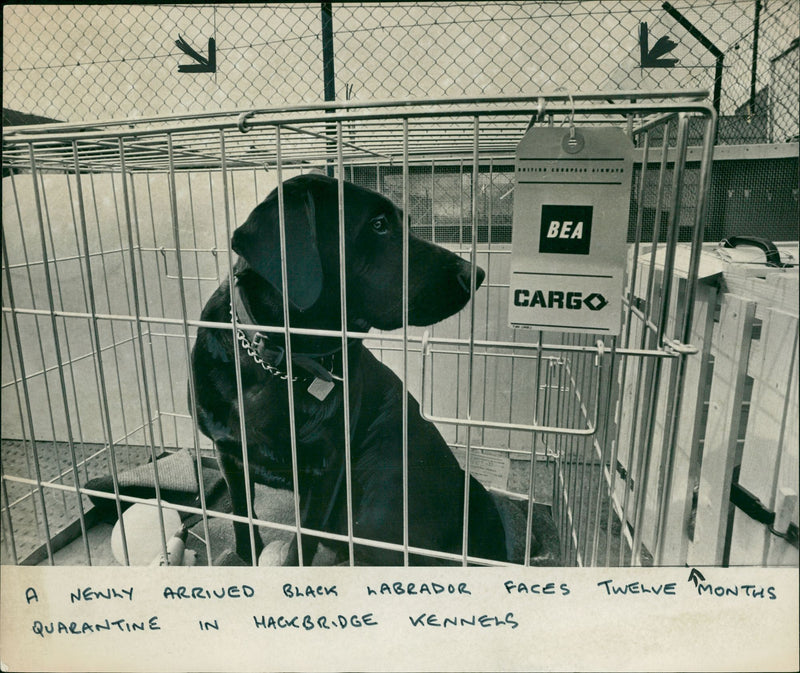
[[270, 369], [312, 364]]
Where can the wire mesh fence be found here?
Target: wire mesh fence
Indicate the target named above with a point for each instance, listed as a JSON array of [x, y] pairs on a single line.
[[81, 63]]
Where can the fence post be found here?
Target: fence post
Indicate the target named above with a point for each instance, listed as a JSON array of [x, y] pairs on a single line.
[[328, 67], [754, 68], [328, 70]]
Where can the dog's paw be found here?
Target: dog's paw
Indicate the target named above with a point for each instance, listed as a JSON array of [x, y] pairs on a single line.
[[276, 553], [229, 558]]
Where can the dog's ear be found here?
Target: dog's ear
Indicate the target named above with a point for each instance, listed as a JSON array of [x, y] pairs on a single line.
[[258, 241]]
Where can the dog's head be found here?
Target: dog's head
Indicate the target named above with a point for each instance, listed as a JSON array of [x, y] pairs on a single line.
[[439, 280]]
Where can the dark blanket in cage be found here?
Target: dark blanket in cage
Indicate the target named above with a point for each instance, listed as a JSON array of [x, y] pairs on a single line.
[[179, 485]]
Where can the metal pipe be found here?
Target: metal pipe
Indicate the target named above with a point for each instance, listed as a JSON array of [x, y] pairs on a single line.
[[345, 352], [237, 363], [288, 343], [637, 233], [601, 96], [122, 266], [102, 389], [38, 200], [568, 445], [140, 341], [67, 347], [404, 301], [559, 463], [531, 472], [162, 303], [187, 352], [479, 343], [469, 422], [25, 444], [671, 426], [669, 263], [471, 346], [38, 337], [674, 224], [604, 451], [29, 413], [135, 223], [6, 521], [647, 335]]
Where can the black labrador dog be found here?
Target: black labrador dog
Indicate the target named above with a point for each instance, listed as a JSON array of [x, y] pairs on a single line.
[[439, 286]]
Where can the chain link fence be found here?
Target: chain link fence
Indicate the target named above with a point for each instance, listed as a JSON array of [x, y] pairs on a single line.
[[84, 63], [94, 62]]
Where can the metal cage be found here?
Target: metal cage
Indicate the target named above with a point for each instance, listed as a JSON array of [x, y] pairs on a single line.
[[116, 233]]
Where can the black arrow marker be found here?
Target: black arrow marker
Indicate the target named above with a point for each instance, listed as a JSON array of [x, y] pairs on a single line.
[[651, 58], [203, 64]]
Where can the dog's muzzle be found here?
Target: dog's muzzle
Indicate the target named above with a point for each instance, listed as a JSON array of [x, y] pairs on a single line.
[[464, 277]]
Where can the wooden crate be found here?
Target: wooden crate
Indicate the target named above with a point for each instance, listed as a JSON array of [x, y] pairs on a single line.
[[769, 452], [738, 415]]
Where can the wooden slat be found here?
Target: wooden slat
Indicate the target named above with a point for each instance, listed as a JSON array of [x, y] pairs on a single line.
[[780, 552], [731, 349], [778, 289], [762, 447], [675, 540]]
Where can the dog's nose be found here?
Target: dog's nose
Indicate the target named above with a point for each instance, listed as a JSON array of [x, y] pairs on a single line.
[[465, 274]]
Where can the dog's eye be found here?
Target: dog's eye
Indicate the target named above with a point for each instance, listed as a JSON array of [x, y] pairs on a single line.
[[380, 225]]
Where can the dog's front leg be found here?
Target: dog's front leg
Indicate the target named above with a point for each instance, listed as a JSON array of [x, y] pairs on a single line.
[[233, 471], [323, 503], [292, 558]]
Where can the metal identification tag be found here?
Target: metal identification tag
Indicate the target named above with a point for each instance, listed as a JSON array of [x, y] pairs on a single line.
[[571, 207], [320, 388]]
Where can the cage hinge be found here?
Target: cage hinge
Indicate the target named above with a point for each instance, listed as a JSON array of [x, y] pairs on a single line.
[[751, 505]]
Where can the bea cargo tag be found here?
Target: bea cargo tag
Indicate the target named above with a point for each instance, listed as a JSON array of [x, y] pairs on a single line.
[[571, 205]]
